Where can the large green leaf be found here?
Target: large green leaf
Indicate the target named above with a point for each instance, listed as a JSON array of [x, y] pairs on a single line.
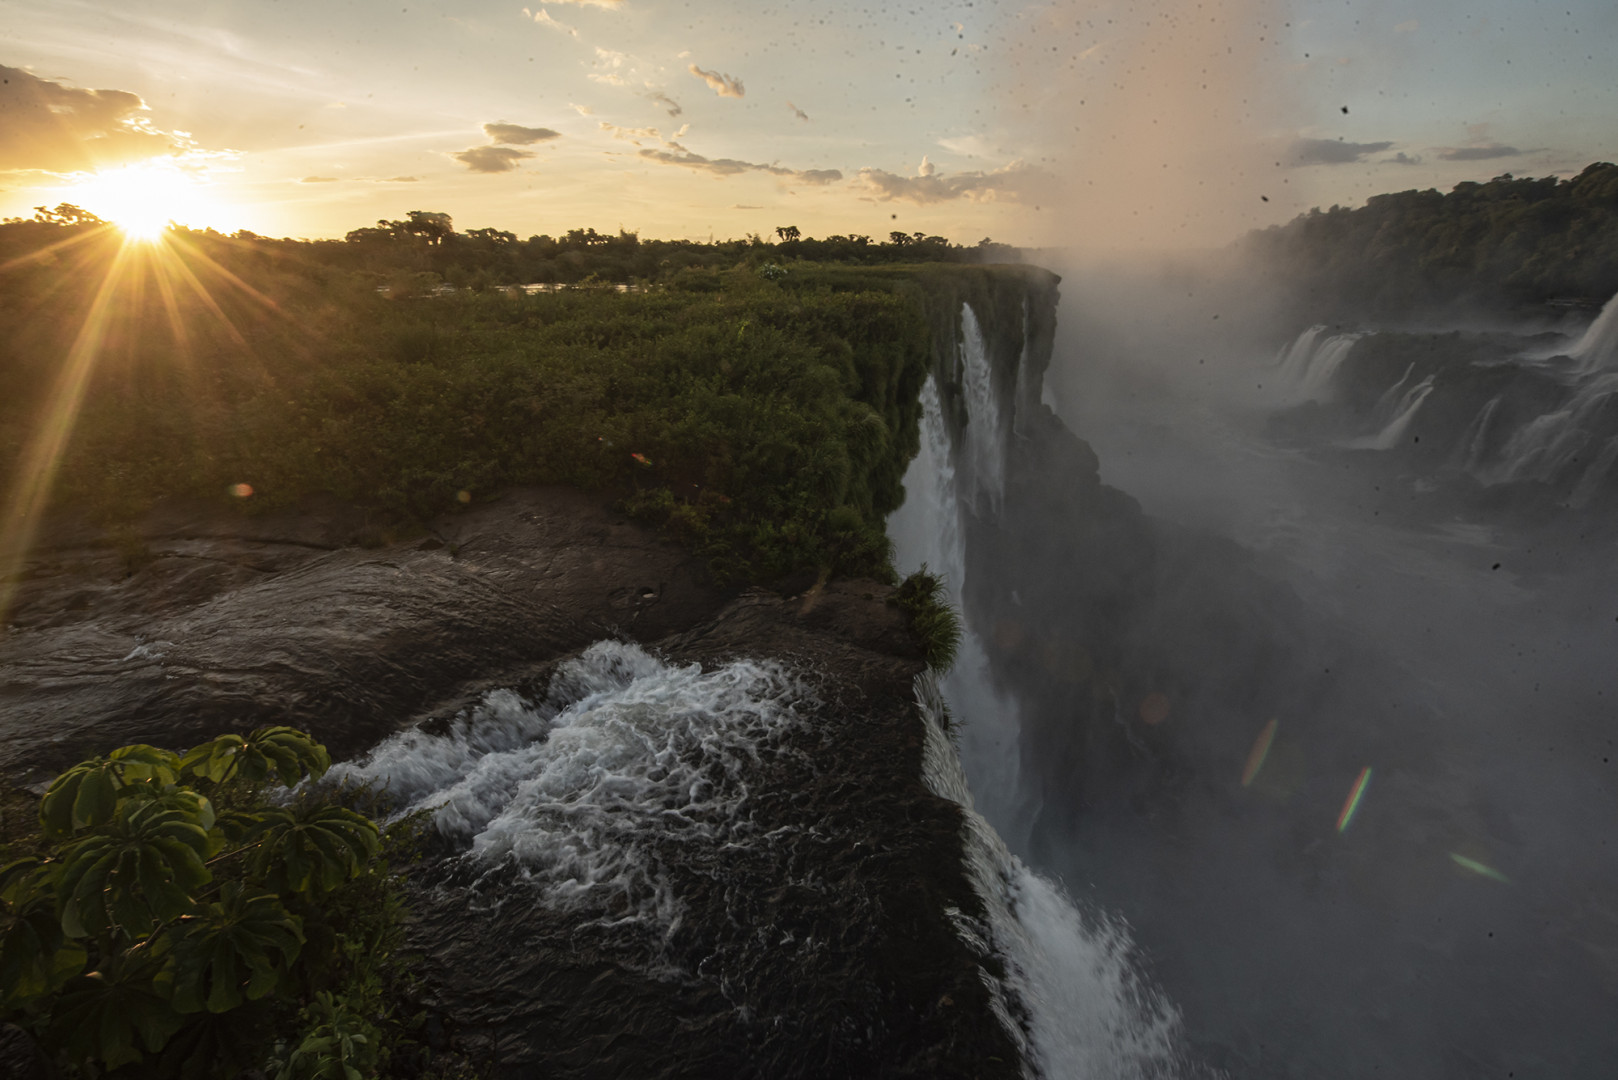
[[232, 951], [310, 847], [140, 869], [35, 956], [283, 752], [114, 1013], [87, 794]]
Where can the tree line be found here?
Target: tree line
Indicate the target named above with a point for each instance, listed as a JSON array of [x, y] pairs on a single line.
[[1512, 243]]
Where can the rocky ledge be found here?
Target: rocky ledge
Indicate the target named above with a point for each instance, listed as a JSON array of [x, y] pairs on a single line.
[[847, 940]]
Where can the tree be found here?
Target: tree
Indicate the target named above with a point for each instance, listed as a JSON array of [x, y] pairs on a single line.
[[899, 239], [431, 225], [787, 233], [66, 214]]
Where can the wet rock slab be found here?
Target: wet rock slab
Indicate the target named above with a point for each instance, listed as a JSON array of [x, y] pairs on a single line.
[[219, 622]]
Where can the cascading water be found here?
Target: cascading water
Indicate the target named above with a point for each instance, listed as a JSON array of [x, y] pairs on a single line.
[[1085, 1011], [1308, 364], [625, 754], [1553, 443], [1597, 350], [1403, 414]]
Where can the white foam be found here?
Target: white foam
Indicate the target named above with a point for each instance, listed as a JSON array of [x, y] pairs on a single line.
[[626, 753], [1088, 1015]]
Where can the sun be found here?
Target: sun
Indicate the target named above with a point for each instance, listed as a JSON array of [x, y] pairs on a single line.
[[143, 199]]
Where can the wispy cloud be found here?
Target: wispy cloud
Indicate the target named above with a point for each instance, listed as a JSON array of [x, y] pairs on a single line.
[[492, 159], [608, 4], [582, 110], [1478, 153], [723, 85], [543, 18], [517, 135], [1332, 151], [1016, 182], [675, 154], [799, 113], [401, 179], [631, 134], [668, 104], [318, 180]]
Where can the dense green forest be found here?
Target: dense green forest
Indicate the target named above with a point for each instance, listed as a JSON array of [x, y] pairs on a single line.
[[758, 404], [1511, 242]]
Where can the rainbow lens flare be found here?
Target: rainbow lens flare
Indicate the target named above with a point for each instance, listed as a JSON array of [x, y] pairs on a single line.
[[1355, 794], [1260, 751]]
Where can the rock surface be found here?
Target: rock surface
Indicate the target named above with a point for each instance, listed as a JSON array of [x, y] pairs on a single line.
[[837, 948]]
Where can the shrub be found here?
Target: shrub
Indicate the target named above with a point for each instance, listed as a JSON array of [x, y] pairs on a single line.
[[168, 917], [933, 619]]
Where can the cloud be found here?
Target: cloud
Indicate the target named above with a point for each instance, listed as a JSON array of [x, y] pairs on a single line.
[[1402, 158], [491, 159], [1017, 182], [723, 85], [631, 134], [401, 180], [608, 4], [1478, 153], [968, 145], [55, 128], [318, 180], [543, 18], [799, 113], [675, 154], [582, 110], [517, 135], [669, 105], [926, 168], [1332, 151]]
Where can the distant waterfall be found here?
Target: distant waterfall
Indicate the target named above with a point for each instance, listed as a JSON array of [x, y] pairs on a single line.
[[1400, 417], [1597, 350], [1073, 997], [1550, 444], [1308, 364]]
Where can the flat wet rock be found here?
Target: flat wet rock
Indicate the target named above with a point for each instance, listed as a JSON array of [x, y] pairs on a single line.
[[223, 623]]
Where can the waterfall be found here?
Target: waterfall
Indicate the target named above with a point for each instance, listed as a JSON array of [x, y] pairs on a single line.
[[1547, 445], [1597, 350], [1072, 992], [1474, 444], [1087, 1013], [986, 461], [1403, 415], [1308, 364]]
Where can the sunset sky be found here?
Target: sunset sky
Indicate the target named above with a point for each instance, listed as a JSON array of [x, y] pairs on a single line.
[[1070, 122]]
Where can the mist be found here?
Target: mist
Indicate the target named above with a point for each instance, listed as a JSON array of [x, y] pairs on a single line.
[[1310, 694]]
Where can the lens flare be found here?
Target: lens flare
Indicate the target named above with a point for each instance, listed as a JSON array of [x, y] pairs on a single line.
[[1260, 751], [1352, 805], [1481, 869]]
